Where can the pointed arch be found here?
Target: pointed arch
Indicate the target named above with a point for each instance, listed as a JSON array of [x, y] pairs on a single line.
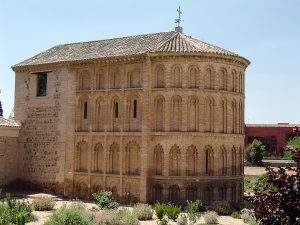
[[98, 156], [115, 114], [174, 194], [176, 76], [84, 80], [114, 159], [174, 161], [233, 161], [82, 156], [193, 114], [132, 158], [159, 104], [176, 113], [115, 78], [223, 79], [193, 76], [83, 113], [134, 78], [100, 115], [160, 80], [223, 116], [209, 114], [158, 159], [223, 161], [233, 116], [209, 161], [134, 116], [191, 156], [209, 78], [100, 79]]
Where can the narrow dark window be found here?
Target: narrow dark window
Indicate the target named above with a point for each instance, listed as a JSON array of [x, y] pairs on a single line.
[[116, 110], [85, 110], [135, 109], [206, 162], [41, 84]]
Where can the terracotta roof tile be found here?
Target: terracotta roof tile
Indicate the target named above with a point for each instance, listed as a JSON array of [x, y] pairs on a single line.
[[8, 122], [167, 42]]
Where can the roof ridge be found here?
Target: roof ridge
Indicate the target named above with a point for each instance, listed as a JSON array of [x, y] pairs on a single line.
[[165, 42]]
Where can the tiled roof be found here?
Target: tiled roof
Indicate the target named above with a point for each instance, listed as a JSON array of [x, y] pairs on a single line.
[[273, 125], [8, 122], [166, 42]]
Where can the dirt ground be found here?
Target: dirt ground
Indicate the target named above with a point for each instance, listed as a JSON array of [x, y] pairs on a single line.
[[43, 216]]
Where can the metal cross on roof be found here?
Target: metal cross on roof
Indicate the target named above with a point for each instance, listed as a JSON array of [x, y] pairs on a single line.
[[178, 21]]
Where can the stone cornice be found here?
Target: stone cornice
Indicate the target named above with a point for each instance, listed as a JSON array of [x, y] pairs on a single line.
[[237, 60]]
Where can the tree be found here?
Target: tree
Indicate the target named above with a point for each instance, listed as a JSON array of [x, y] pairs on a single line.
[[255, 152], [282, 204], [1, 110], [295, 142]]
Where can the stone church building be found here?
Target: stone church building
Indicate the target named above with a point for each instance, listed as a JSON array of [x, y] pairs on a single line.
[[154, 117]]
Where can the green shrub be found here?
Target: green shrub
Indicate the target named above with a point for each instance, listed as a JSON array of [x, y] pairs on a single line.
[[105, 200], [248, 217], [170, 210], [13, 211], [255, 152], [159, 210], [236, 215], [43, 203], [195, 206], [116, 217], [143, 211], [210, 217], [164, 221], [75, 214], [222, 207], [287, 154]]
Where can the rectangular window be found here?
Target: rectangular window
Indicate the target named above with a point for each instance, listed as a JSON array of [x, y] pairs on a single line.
[[85, 111], [134, 108], [41, 84]]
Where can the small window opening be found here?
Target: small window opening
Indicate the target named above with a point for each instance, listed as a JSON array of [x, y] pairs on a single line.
[[116, 110], [85, 110], [135, 109], [41, 84]]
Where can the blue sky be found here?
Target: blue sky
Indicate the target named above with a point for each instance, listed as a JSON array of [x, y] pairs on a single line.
[[266, 32]]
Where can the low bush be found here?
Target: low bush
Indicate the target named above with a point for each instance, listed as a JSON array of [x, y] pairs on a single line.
[[288, 154], [159, 210], [222, 207], [116, 217], [105, 200], [43, 203], [75, 214], [13, 211], [170, 210], [248, 217], [143, 211], [236, 215], [210, 217], [195, 206]]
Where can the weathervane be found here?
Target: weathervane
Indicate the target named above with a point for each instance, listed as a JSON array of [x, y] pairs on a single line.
[[178, 28]]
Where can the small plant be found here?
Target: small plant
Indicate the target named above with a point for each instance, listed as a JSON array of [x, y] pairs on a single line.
[[182, 220], [222, 207], [70, 215], [236, 215], [159, 210], [170, 210], [143, 211], [210, 217], [43, 203], [163, 221], [105, 200], [116, 217], [195, 206], [248, 217], [255, 152], [288, 154]]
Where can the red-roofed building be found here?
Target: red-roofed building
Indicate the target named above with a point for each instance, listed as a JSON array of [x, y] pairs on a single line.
[[274, 136]]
